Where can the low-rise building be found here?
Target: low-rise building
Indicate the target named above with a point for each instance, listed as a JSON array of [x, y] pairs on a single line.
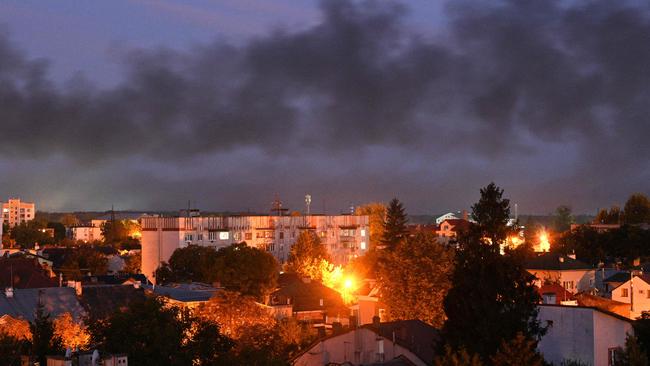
[[16, 212], [584, 334], [636, 292], [572, 274], [344, 236], [87, 234], [449, 229]]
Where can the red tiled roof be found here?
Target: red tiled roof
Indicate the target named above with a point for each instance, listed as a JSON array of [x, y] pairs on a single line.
[[26, 272]]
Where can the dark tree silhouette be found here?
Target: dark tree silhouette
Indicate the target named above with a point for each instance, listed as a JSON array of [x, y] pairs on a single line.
[[395, 225]]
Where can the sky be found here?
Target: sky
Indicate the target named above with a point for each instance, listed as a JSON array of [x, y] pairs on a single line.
[[146, 104]]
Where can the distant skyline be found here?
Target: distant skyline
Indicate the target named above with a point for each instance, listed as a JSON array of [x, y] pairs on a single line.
[[147, 104]]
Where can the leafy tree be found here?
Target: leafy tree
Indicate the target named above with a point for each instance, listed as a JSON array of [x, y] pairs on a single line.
[[632, 354], [376, 213], [28, 234], [457, 358], [519, 351], [72, 334], [306, 255], [152, 332], [247, 270], [69, 220], [489, 288], [44, 341], [133, 263], [637, 209], [395, 225], [613, 216], [192, 263], [563, 219], [123, 232], [11, 349], [414, 279], [59, 230], [82, 261]]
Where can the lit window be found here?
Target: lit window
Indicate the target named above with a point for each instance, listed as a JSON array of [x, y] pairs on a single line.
[[224, 235], [363, 245], [363, 232]]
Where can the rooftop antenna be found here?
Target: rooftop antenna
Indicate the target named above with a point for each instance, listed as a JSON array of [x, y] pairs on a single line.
[[308, 202], [516, 212]]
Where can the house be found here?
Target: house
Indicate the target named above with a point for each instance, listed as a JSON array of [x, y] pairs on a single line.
[[406, 342], [21, 272], [585, 334], [101, 301], [450, 228], [22, 303], [447, 216], [572, 274], [93, 358], [614, 281], [189, 295], [636, 292], [553, 293], [310, 301], [602, 303]]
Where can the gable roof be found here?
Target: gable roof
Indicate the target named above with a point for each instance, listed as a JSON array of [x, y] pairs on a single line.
[[102, 301], [183, 293], [414, 335], [23, 273], [555, 262], [614, 315], [55, 300], [306, 295], [457, 224], [620, 277]]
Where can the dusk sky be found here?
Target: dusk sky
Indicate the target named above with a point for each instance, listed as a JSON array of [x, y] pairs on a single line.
[[146, 104]]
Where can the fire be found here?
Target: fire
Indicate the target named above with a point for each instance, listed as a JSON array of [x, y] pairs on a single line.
[[335, 278], [544, 244]]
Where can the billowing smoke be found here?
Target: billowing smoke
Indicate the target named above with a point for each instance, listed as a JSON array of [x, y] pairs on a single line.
[[548, 98]]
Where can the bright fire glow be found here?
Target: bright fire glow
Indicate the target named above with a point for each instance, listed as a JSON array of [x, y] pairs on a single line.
[[335, 278], [544, 245]]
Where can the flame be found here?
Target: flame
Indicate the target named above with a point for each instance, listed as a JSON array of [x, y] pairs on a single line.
[[544, 244], [337, 279]]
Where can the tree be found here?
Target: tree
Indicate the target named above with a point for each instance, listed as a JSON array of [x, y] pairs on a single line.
[[613, 216], [519, 351], [69, 220], [457, 358], [82, 261], [44, 341], [152, 332], [376, 213], [28, 234], [562, 220], [247, 270], [491, 214], [133, 263], [492, 297], [59, 230], [414, 279], [632, 354], [306, 255], [11, 349], [637, 209], [72, 334], [192, 263], [395, 225]]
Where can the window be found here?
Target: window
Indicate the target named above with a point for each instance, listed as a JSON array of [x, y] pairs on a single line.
[[268, 234], [568, 285], [188, 237], [212, 236], [624, 293], [248, 236], [259, 234], [224, 235], [363, 232], [363, 245], [199, 236], [281, 234], [322, 234], [237, 236]]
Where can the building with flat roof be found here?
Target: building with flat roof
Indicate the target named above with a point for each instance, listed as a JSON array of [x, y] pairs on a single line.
[[15, 212], [344, 236]]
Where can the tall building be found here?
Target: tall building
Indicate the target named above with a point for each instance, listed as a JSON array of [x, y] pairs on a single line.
[[16, 212], [345, 236]]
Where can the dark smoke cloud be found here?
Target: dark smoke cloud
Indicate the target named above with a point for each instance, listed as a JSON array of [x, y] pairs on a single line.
[[532, 84]]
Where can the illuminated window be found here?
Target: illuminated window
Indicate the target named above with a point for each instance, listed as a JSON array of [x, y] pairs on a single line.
[[363, 245], [224, 235], [363, 232]]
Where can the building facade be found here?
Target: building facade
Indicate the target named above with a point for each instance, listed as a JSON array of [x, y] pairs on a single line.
[[15, 212], [345, 236], [86, 233]]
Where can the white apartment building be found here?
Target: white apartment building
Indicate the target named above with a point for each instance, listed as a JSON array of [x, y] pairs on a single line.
[[87, 233], [345, 236], [15, 212]]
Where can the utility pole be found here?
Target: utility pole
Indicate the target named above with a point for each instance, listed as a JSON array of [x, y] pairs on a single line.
[[308, 202]]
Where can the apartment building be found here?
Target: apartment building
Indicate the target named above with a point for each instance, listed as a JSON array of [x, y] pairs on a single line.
[[345, 236], [15, 212]]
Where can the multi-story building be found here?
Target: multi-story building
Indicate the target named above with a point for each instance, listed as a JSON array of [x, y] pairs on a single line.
[[345, 236], [87, 234], [16, 212]]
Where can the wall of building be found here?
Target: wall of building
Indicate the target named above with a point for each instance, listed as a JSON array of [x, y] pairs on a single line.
[[358, 347], [580, 333], [572, 280], [641, 296], [345, 236], [15, 212]]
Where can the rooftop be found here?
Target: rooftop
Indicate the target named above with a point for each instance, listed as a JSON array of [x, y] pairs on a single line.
[[556, 262]]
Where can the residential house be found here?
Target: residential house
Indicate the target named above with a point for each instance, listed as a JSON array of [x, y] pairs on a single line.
[[22, 303], [636, 292], [589, 335], [447, 216], [407, 342], [449, 229], [553, 293], [21, 272], [189, 295], [572, 274], [310, 300], [101, 301]]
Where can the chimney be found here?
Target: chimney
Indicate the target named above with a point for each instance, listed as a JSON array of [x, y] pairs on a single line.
[[376, 321], [465, 215], [337, 328], [9, 292], [353, 322]]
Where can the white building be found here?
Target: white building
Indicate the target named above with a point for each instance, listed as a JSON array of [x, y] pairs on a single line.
[[87, 233], [447, 216], [636, 292], [345, 236], [574, 275], [584, 334], [15, 212]]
